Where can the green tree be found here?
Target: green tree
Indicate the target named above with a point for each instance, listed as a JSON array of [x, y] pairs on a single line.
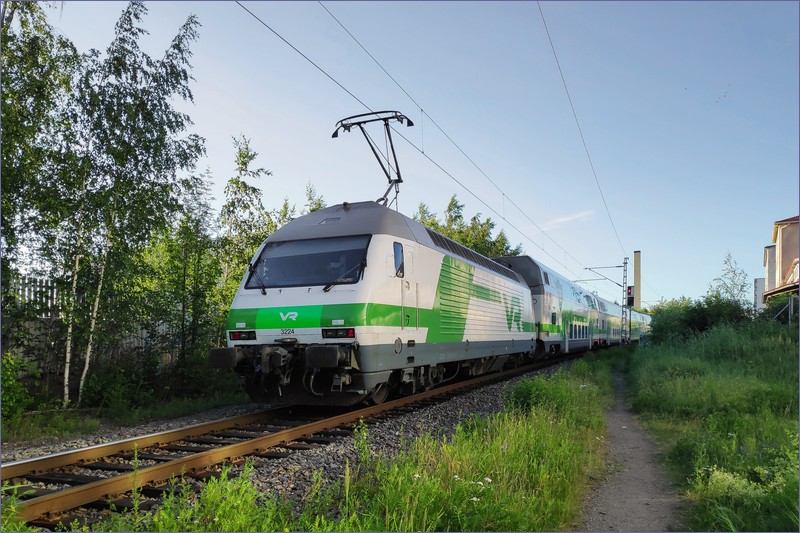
[[476, 235], [38, 66], [283, 215], [732, 284], [116, 175], [244, 222], [314, 200], [182, 271], [678, 319]]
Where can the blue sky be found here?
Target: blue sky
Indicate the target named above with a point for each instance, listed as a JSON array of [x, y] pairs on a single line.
[[689, 112]]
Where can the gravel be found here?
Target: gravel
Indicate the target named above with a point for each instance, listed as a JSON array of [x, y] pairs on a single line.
[[293, 476]]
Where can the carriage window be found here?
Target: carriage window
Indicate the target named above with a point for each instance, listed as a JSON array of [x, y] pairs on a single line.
[[339, 260], [546, 278], [553, 318], [399, 263]]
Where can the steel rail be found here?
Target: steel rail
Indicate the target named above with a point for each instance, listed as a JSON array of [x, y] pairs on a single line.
[[46, 462], [81, 495]]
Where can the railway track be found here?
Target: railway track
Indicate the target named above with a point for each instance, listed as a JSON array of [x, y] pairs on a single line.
[[99, 476]]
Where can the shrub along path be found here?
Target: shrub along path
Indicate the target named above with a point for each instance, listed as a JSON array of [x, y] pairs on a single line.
[[637, 495]]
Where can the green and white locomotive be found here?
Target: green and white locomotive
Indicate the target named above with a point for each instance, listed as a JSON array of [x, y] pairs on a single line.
[[355, 301]]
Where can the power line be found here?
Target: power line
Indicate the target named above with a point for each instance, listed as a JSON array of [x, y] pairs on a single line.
[[418, 148], [279, 36], [370, 55], [580, 131], [378, 63]]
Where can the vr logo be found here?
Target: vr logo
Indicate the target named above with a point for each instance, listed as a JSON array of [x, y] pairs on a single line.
[[290, 314]]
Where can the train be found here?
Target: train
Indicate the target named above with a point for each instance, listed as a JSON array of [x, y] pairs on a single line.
[[359, 303]]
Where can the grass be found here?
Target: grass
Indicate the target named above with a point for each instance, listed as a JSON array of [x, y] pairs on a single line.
[[179, 407], [10, 504], [49, 425], [524, 469], [724, 407], [62, 424]]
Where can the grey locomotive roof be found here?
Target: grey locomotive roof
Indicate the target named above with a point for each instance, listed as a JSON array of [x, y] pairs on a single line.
[[358, 218], [362, 218]]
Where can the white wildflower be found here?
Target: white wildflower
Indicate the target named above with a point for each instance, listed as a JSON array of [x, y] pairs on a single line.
[[487, 479], [474, 499], [480, 484], [416, 476], [457, 478]]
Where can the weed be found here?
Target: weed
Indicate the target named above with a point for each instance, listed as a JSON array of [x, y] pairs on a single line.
[[10, 508], [724, 405]]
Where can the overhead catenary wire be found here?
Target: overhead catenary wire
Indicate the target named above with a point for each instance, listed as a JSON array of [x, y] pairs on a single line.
[[423, 113], [440, 167], [580, 131], [504, 196], [279, 36], [563, 264]]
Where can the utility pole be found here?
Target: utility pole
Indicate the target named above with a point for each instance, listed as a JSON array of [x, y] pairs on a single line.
[[637, 279], [625, 312], [627, 291]]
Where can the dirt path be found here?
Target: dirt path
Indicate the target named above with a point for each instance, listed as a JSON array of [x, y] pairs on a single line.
[[637, 495]]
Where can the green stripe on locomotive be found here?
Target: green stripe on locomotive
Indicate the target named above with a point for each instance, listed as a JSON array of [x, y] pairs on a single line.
[[446, 322]]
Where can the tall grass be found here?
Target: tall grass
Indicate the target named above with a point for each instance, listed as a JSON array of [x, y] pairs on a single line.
[[725, 405], [61, 424], [524, 469]]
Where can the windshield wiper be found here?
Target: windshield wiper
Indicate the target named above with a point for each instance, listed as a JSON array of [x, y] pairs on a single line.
[[343, 277], [261, 281]]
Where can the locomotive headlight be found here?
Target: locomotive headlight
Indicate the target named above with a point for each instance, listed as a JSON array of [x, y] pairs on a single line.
[[339, 333], [242, 335]]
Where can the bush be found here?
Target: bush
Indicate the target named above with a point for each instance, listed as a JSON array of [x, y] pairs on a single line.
[[15, 397], [725, 403], [118, 389], [681, 319]]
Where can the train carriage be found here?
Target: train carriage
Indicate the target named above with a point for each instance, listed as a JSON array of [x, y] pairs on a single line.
[[640, 326], [569, 318], [610, 331], [566, 314]]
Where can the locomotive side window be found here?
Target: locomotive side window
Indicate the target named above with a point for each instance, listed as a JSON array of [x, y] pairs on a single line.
[[399, 263], [546, 278], [553, 318], [338, 261]]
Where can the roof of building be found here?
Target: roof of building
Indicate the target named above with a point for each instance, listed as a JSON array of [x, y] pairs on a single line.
[[784, 222]]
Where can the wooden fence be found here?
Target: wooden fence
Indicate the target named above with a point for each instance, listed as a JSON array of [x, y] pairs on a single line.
[[44, 297], [43, 294]]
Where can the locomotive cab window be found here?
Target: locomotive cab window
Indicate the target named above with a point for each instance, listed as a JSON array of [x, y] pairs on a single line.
[[399, 262], [302, 263]]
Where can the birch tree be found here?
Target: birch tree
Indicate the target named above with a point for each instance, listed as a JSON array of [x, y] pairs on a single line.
[[129, 148]]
